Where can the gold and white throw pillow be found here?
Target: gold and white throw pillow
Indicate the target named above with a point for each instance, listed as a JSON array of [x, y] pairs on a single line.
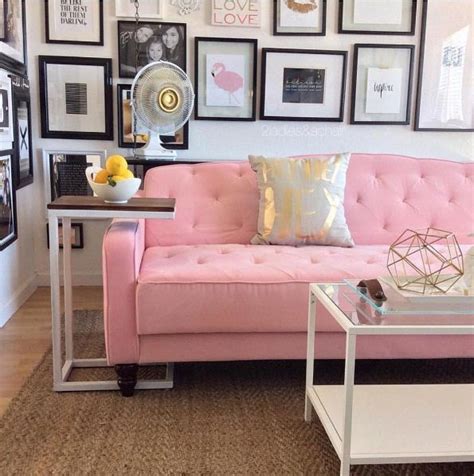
[[302, 200]]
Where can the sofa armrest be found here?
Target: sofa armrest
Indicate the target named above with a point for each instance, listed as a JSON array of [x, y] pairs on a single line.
[[122, 253]]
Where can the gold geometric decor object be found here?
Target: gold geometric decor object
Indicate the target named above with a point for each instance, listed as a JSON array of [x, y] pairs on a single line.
[[425, 260]]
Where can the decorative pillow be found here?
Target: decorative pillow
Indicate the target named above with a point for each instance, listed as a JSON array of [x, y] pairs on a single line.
[[302, 200]]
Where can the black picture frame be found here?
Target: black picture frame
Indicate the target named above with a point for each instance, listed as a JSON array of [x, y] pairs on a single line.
[[253, 43], [22, 139], [276, 4], [4, 34], [421, 67], [6, 60], [74, 244], [8, 208], [106, 65], [410, 32], [98, 42], [153, 32], [357, 48], [269, 117], [168, 142]]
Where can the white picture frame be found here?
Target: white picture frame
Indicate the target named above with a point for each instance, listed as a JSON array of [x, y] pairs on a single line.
[[151, 9], [6, 110]]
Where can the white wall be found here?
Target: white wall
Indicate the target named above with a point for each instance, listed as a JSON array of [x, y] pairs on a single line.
[[212, 139]]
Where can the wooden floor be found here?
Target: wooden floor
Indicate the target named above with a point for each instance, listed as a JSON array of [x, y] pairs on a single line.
[[27, 336]]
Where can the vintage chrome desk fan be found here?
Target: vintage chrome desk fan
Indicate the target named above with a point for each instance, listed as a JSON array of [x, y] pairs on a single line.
[[162, 99]]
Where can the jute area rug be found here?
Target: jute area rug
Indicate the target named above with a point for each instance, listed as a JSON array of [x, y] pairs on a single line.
[[221, 418]]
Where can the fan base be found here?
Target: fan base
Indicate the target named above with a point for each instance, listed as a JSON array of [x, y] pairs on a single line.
[[153, 149]]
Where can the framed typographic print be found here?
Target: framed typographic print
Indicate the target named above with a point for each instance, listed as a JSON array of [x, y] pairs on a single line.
[[445, 94], [23, 147], [150, 41], [75, 22], [8, 218], [297, 18], [381, 84], [76, 97], [13, 47], [303, 85], [226, 78], [132, 134]]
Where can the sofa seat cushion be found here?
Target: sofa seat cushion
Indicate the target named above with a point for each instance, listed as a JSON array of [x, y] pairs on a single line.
[[242, 288]]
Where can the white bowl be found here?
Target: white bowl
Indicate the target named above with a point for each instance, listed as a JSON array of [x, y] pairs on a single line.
[[121, 193]]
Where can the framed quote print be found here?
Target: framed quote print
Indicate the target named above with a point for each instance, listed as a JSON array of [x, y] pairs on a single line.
[[8, 223], [76, 97], [303, 85], [381, 84], [377, 17], [445, 95], [293, 17], [132, 135], [13, 47], [226, 78], [74, 22]]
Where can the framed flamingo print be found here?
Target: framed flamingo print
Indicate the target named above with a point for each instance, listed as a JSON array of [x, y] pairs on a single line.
[[226, 75]]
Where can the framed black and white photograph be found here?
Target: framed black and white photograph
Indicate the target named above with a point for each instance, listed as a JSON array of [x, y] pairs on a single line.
[[382, 84], [153, 9], [76, 97], [445, 95], [65, 171], [299, 18], [303, 85], [6, 116], [155, 41], [13, 47], [23, 150], [377, 17], [77, 235], [226, 78], [132, 135], [74, 22], [3, 20], [8, 219]]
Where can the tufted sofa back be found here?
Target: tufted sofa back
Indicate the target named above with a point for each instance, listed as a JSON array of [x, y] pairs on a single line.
[[385, 194]]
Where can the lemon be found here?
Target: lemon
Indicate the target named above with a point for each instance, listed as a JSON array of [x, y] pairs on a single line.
[[116, 165], [127, 174], [101, 177]]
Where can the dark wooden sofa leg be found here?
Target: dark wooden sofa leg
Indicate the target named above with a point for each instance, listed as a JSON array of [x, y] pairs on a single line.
[[126, 378]]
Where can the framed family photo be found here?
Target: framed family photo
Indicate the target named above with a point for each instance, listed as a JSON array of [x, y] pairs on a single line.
[[8, 218], [131, 134], [23, 149], [13, 47], [153, 41], [226, 78], [377, 17], [76, 97], [303, 85], [381, 84], [293, 17], [74, 22], [77, 235], [445, 96], [148, 8]]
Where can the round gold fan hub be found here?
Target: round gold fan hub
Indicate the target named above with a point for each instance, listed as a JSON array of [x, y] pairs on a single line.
[[169, 100]]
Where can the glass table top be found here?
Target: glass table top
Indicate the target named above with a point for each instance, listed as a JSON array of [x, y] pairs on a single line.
[[397, 310]]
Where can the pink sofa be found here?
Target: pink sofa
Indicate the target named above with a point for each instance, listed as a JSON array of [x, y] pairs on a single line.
[[194, 289]]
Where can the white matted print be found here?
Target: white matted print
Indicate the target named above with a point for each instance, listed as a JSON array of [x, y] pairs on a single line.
[[148, 8], [242, 13], [384, 90], [6, 117], [225, 79], [8, 228], [381, 12], [299, 14]]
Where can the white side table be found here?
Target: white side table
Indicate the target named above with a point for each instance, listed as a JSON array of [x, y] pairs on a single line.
[[370, 424], [66, 208]]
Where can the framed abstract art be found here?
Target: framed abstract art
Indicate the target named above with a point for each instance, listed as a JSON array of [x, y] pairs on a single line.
[[13, 47], [303, 85], [147, 8], [381, 84], [76, 97], [226, 78], [74, 22], [296, 18]]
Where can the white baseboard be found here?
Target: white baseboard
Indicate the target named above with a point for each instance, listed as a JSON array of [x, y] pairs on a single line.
[[77, 279], [17, 300]]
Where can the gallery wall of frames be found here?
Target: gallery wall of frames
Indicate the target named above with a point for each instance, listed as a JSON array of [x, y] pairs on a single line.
[[338, 72]]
